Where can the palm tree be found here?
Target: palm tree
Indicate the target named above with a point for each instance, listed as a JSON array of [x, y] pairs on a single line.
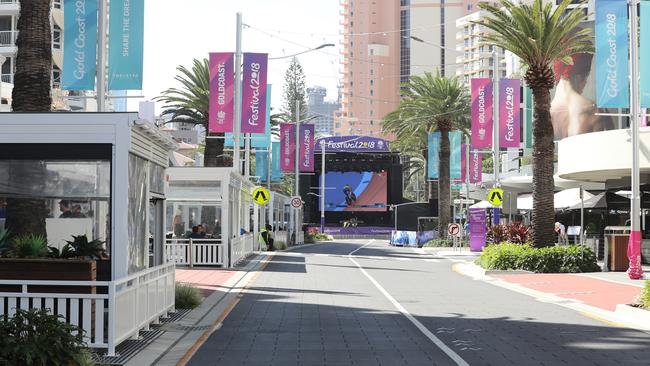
[[432, 103], [31, 93], [190, 104], [539, 34]]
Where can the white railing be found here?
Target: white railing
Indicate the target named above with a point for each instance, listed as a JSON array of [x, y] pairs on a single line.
[[300, 238], [7, 78], [124, 307], [191, 252], [7, 38], [241, 247], [282, 236]]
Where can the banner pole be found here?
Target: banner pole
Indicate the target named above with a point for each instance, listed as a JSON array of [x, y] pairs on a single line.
[[495, 113], [296, 191], [237, 90], [101, 58]]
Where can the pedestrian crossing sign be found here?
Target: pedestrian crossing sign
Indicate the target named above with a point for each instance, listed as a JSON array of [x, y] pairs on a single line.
[[495, 196], [261, 196]]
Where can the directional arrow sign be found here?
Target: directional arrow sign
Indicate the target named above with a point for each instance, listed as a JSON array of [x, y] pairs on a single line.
[[261, 196], [495, 196]]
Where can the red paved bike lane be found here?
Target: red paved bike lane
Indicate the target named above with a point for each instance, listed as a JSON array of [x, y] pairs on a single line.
[[591, 291], [208, 280]]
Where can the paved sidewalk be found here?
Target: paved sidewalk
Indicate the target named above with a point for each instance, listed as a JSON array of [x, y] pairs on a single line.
[[208, 280], [600, 293]]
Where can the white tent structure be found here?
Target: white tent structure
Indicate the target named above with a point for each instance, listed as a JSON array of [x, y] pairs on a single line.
[[561, 200]]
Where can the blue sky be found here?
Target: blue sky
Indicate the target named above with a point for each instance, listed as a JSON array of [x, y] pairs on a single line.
[[178, 31]]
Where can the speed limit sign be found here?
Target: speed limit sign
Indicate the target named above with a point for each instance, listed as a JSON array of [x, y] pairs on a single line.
[[296, 202]]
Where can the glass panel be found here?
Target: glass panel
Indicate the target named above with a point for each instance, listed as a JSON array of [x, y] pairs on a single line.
[[138, 207], [191, 190], [156, 178], [184, 218], [75, 196]]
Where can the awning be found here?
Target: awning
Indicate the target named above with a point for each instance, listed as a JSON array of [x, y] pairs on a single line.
[[563, 199], [482, 204]]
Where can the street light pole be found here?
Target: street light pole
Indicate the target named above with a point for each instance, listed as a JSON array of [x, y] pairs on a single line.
[[635, 270], [322, 187], [296, 190], [495, 114], [238, 100]]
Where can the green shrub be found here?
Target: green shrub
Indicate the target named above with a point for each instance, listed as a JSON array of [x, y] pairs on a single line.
[[556, 259], [34, 337], [645, 296], [443, 243], [187, 296], [279, 245], [4, 241], [29, 246], [515, 232], [93, 249]]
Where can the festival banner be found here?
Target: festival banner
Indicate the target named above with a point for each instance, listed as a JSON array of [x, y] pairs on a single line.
[[222, 93], [509, 113], [288, 147], [306, 151], [455, 138], [276, 172], [481, 90], [644, 83], [612, 75], [477, 229], [80, 48], [475, 167], [253, 119], [125, 44], [433, 163], [262, 165], [258, 140], [355, 144]]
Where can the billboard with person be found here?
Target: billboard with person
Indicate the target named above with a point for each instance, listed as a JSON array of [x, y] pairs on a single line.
[[355, 191]]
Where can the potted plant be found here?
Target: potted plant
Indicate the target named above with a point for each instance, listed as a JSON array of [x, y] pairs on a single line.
[[81, 247]]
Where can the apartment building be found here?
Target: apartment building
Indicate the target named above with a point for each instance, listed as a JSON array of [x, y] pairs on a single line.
[[384, 43], [476, 60], [323, 111]]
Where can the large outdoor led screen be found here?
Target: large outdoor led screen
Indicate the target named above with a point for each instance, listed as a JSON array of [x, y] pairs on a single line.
[[355, 191]]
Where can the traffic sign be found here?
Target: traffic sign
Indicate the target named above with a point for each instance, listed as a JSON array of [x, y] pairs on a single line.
[[261, 196], [453, 229], [296, 202], [495, 196]]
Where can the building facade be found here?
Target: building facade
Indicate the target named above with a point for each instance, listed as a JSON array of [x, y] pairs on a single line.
[[384, 43], [323, 111], [475, 60]]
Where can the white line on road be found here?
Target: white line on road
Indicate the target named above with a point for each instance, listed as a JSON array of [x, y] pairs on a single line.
[[435, 340]]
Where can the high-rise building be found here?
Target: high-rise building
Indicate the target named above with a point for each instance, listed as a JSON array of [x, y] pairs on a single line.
[[323, 111], [384, 43], [475, 59]]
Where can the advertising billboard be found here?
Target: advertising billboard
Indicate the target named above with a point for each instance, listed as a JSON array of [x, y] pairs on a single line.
[[355, 191]]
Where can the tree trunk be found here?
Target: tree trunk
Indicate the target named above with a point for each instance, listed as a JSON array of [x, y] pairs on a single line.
[[543, 184], [31, 93], [214, 156], [444, 186]]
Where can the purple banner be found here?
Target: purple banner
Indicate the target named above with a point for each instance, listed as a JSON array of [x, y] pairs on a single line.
[[481, 112], [477, 229], [475, 167], [287, 147], [306, 148], [360, 230], [509, 112], [353, 144], [253, 118], [222, 82]]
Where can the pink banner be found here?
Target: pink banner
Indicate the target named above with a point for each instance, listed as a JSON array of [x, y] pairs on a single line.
[[306, 148], [253, 118], [481, 112], [475, 167], [287, 147], [509, 112], [222, 82]]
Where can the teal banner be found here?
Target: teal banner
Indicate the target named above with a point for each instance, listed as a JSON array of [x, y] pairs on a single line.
[[80, 46], [612, 71], [433, 163], [262, 165], [276, 172], [455, 160], [125, 44], [644, 83], [258, 140], [528, 117]]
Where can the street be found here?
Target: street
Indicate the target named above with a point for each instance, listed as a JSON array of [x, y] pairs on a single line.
[[362, 302]]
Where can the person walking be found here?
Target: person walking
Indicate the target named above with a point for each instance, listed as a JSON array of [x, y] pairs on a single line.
[[560, 230]]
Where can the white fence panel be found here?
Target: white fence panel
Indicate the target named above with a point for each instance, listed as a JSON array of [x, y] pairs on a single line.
[[208, 252], [242, 247]]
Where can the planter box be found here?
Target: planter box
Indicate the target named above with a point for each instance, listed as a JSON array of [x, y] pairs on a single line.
[[48, 269]]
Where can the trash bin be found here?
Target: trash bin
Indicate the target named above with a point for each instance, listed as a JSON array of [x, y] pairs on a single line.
[[616, 239]]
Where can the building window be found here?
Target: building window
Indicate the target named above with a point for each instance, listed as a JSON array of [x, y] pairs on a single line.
[[371, 112], [338, 125], [372, 72], [56, 4], [56, 37], [372, 82], [56, 76], [372, 92], [372, 123], [372, 52]]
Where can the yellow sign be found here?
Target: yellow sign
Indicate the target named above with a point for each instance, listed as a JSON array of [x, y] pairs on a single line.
[[261, 196], [495, 196]]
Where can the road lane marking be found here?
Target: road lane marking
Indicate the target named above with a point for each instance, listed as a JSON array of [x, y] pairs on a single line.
[[427, 333]]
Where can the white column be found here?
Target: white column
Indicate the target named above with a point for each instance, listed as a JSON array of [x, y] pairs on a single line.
[[101, 58]]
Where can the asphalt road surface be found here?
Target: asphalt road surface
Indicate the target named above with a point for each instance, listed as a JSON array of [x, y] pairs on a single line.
[[362, 302]]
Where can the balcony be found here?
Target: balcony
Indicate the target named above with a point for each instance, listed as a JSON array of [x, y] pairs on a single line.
[[8, 42], [9, 7], [7, 78]]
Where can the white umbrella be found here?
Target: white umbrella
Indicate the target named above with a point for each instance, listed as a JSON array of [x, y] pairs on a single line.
[[482, 204], [563, 199]]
